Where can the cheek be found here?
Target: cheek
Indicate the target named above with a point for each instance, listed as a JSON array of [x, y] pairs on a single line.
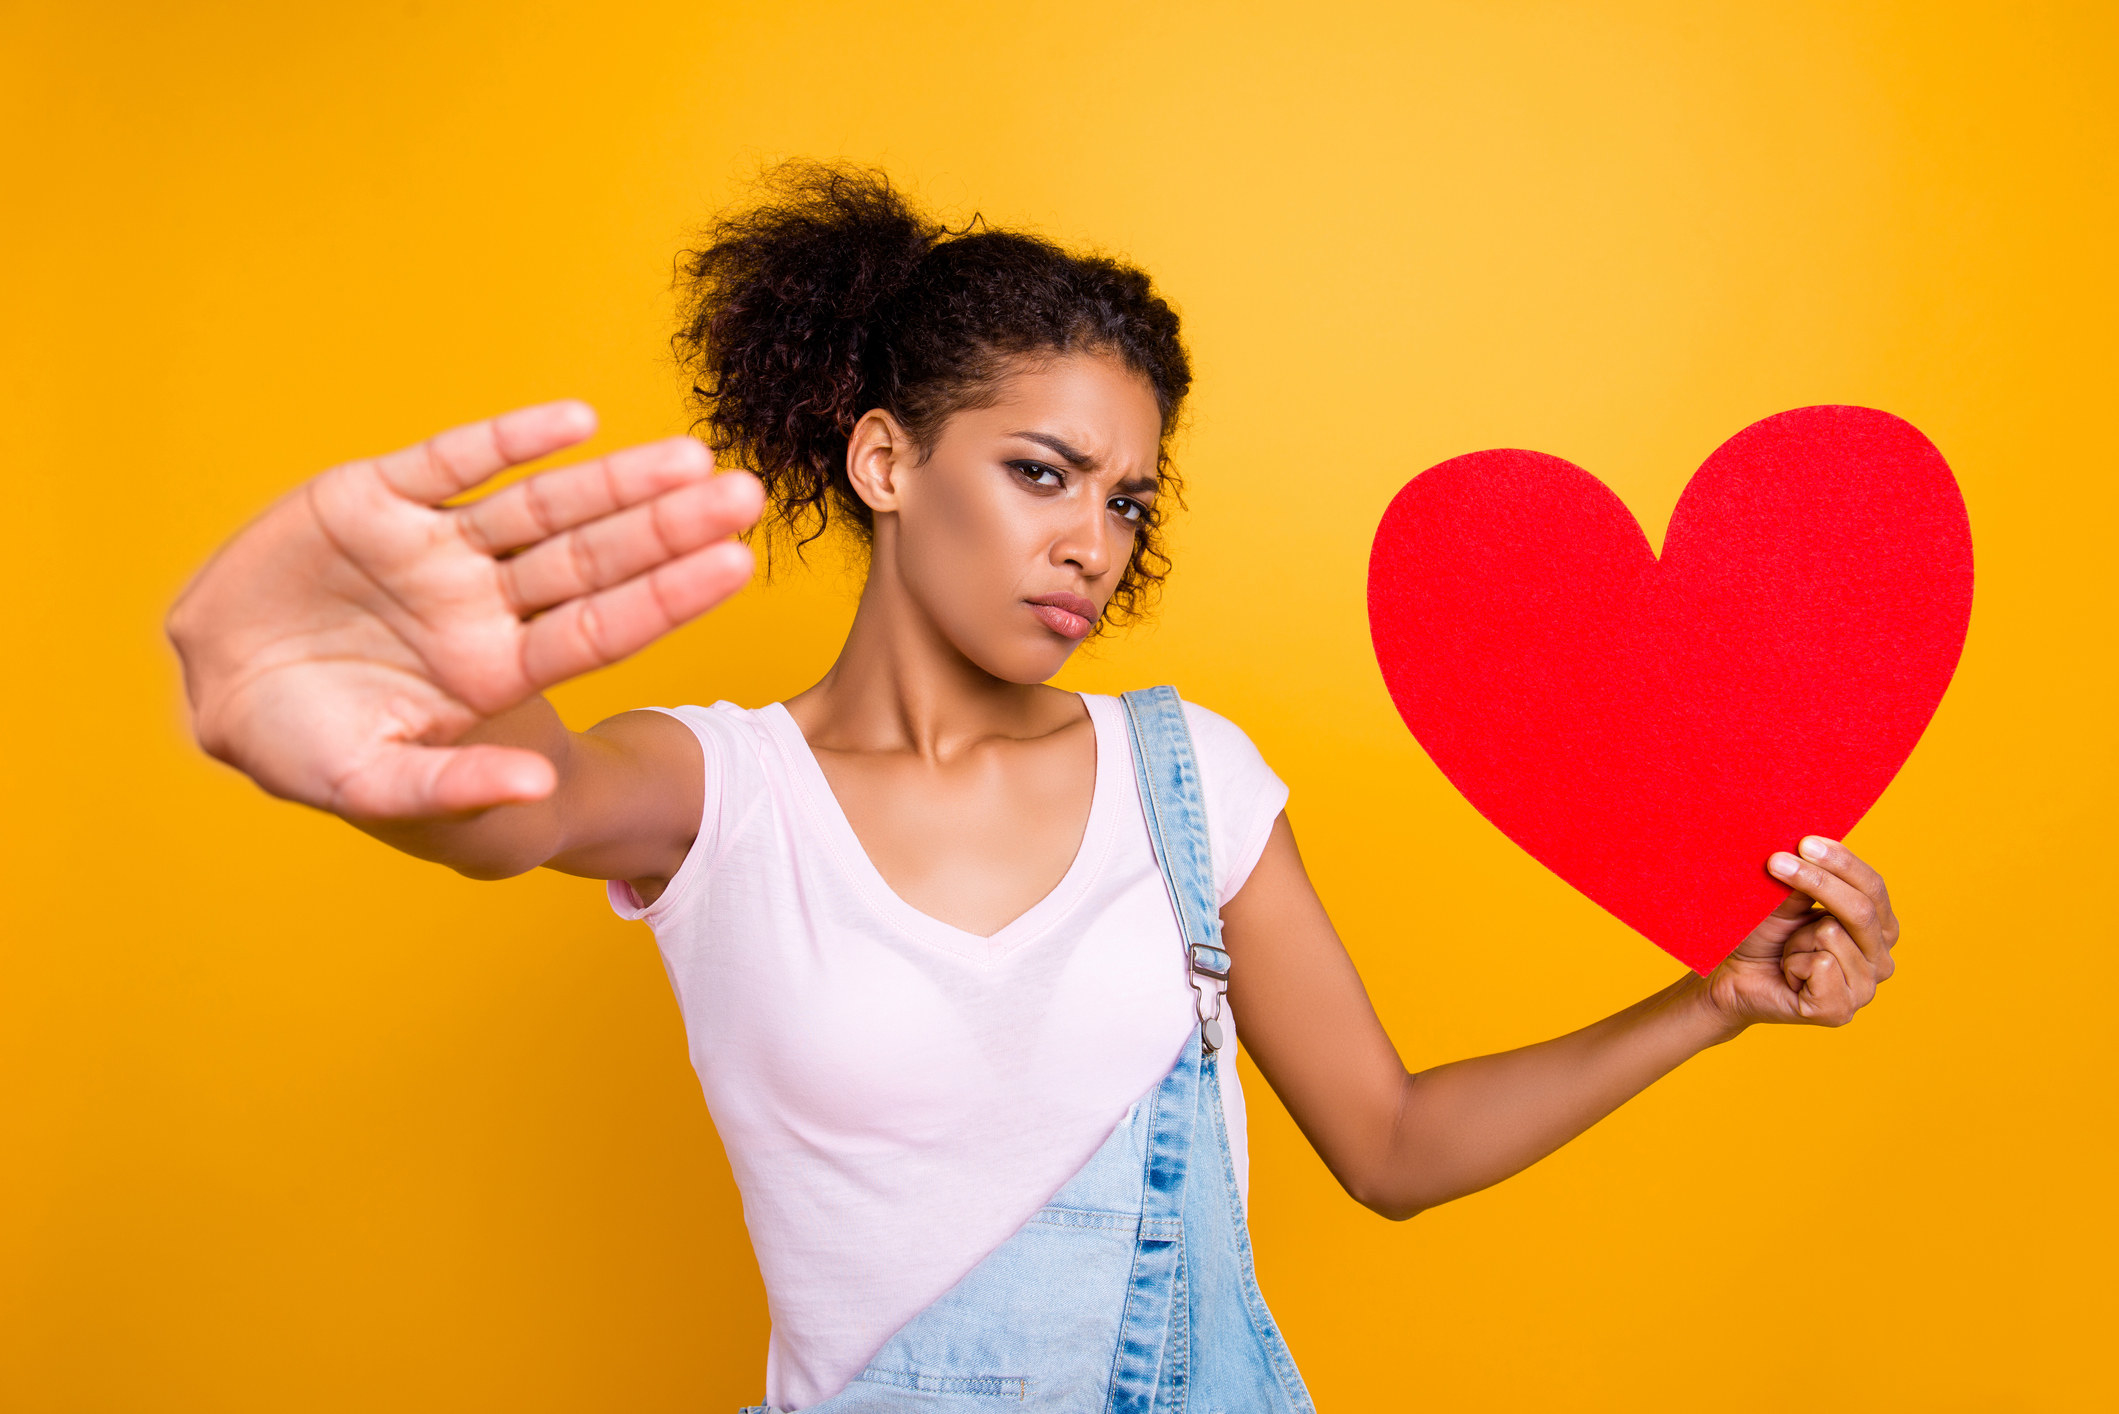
[[1124, 536], [963, 557], [969, 565]]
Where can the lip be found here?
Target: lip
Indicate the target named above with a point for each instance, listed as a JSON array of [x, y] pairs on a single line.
[[1068, 615]]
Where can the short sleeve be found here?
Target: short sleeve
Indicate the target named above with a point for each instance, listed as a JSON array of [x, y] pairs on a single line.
[[1243, 797], [707, 726]]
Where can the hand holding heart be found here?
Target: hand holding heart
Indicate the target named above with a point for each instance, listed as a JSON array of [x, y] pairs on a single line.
[[1821, 955]]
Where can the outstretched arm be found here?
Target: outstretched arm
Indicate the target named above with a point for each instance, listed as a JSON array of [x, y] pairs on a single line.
[[1400, 1142]]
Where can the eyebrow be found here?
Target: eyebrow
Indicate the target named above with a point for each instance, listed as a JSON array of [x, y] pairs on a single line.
[[1138, 485]]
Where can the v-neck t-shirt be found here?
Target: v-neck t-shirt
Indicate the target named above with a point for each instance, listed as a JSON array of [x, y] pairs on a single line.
[[897, 1095]]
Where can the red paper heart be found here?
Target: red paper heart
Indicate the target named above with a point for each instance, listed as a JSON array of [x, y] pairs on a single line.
[[1652, 730]]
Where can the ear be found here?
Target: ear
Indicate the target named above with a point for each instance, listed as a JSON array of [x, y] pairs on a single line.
[[877, 452]]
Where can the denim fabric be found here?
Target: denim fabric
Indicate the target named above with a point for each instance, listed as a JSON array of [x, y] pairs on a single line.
[[1132, 1291]]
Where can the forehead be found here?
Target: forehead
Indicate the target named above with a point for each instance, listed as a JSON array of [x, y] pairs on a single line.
[[1093, 402]]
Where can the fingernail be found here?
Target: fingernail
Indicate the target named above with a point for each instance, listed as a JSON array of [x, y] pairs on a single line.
[[1784, 864], [1814, 847]]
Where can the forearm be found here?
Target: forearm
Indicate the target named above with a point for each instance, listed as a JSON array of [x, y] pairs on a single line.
[[503, 840], [1464, 1126]]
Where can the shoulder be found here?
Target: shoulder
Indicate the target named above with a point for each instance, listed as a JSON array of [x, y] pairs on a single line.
[[1218, 742], [1214, 734], [1243, 795], [696, 770], [722, 745], [675, 732]]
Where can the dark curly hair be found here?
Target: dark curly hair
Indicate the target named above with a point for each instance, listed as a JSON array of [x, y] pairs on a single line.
[[835, 295]]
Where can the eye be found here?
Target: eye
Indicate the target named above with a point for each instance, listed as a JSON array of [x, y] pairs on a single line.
[[1032, 471], [1130, 510]]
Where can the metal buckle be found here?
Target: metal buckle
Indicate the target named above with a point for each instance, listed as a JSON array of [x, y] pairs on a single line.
[[1210, 1033], [1208, 961]]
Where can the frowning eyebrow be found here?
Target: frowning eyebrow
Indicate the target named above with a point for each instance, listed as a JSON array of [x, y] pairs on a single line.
[[1133, 486]]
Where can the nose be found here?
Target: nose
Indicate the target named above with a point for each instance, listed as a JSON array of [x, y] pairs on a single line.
[[1082, 540]]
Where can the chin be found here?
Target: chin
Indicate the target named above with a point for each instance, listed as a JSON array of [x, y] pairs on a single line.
[[1024, 663]]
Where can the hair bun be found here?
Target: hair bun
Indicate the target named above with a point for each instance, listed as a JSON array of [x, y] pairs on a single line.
[[821, 302]]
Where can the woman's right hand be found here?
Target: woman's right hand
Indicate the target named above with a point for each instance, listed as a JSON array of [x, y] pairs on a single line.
[[339, 643]]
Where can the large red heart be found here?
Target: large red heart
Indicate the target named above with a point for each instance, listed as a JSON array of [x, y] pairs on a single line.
[[1651, 730]]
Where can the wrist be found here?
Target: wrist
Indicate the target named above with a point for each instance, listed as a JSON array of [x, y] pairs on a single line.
[[1693, 996]]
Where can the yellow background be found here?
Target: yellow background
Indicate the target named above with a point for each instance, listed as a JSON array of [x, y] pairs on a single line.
[[291, 1122]]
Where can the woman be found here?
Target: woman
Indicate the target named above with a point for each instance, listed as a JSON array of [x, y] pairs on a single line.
[[969, 1062]]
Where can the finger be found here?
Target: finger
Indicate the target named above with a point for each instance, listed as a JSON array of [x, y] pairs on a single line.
[[1853, 963], [1797, 966], [1832, 855], [601, 628], [1859, 912], [1825, 996], [618, 547], [403, 782], [552, 501], [460, 458]]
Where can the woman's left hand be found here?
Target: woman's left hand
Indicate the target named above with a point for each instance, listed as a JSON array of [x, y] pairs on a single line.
[[1821, 955]]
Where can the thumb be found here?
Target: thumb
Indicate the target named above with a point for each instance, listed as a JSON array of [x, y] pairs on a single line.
[[1794, 906], [403, 782], [1771, 934]]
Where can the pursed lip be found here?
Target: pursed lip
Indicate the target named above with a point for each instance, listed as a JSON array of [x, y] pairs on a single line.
[[1067, 614], [1072, 603]]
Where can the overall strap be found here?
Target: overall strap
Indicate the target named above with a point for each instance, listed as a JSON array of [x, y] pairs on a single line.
[[1171, 795], [1151, 1359]]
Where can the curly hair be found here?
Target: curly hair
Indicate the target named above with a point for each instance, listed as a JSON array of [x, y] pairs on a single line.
[[836, 295]]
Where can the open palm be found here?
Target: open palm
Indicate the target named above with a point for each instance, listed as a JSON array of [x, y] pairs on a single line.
[[336, 646]]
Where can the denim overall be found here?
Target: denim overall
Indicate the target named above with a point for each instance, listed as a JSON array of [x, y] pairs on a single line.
[[1131, 1292]]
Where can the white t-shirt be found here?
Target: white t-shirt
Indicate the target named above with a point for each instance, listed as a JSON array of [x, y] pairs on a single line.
[[897, 1096]]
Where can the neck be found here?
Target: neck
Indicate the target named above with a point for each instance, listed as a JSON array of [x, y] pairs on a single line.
[[900, 685]]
